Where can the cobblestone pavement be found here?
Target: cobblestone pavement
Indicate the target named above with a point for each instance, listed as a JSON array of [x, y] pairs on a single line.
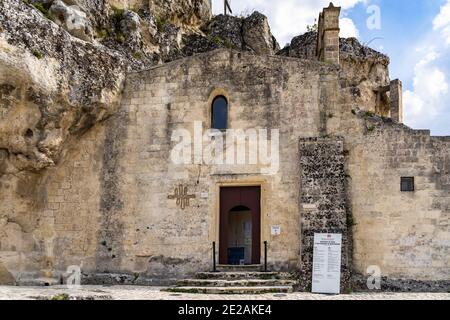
[[154, 293]]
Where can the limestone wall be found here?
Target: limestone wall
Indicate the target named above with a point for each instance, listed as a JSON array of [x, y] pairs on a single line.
[[49, 220], [263, 92], [406, 234]]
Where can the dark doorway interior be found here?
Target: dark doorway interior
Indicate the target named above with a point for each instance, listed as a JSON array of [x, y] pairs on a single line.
[[240, 225]]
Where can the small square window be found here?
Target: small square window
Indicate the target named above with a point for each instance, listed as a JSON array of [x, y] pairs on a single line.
[[407, 184]]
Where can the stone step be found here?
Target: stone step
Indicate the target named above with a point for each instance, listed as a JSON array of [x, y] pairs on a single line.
[[243, 275], [235, 283], [231, 290], [239, 268]]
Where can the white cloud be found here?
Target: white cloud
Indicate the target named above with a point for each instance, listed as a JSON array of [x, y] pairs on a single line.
[[443, 18], [428, 97], [289, 18], [442, 22], [348, 28], [426, 104]]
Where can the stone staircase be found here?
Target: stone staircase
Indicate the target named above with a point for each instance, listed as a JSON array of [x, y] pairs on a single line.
[[236, 280]]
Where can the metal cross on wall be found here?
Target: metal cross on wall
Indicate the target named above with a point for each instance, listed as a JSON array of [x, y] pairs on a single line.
[[227, 7], [182, 196]]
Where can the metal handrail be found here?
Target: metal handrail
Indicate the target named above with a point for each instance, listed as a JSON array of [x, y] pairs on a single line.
[[265, 256], [214, 257]]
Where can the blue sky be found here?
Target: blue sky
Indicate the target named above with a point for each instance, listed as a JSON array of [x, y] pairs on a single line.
[[414, 33]]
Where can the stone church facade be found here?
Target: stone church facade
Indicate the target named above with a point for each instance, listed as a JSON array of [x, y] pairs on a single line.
[[119, 207]]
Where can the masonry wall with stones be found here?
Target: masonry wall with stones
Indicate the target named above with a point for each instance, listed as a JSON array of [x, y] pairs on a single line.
[[263, 92], [105, 205], [406, 234], [324, 203]]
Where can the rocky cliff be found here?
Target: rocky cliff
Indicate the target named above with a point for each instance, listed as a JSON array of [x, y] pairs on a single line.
[[63, 63]]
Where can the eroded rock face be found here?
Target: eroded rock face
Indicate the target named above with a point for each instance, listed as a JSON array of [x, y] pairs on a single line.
[[52, 86], [190, 12], [224, 31], [256, 34], [362, 68], [227, 30], [302, 46], [63, 62], [73, 19]]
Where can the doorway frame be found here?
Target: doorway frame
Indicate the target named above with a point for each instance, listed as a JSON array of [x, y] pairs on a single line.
[[250, 182]]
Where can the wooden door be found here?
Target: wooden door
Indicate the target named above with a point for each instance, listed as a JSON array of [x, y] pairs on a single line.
[[231, 197]]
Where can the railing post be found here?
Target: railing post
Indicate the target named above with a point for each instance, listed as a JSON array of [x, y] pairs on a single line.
[[214, 257], [265, 256]]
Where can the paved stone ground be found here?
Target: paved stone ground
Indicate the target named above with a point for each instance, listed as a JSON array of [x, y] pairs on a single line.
[[154, 293]]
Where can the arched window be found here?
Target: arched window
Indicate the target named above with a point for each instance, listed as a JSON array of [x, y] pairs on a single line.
[[219, 113]]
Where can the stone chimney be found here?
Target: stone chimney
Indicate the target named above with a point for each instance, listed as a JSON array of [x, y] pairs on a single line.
[[396, 97], [327, 49]]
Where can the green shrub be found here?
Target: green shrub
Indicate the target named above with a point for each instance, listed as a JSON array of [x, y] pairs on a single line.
[[40, 7], [137, 55], [102, 33], [60, 297], [37, 54], [118, 14], [216, 39], [161, 23], [120, 37]]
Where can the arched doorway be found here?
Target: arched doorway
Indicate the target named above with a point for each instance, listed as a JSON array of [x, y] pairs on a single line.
[[240, 225], [240, 236]]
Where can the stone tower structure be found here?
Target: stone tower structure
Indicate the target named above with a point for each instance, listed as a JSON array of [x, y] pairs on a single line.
[[328, 35]]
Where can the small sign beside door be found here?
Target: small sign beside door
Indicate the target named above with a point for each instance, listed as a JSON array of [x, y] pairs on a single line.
[[275, 230], [204, 195]]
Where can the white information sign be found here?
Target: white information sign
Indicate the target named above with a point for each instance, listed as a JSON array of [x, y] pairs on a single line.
[[275, 230], [326, 274], [204, 195]]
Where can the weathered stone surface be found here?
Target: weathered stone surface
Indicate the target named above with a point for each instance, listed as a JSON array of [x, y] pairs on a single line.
[[323, 202], [406, 234], [131, 22], [6, 278], [190, 12], [256, 34], [54, 86], [302, 46], [73, 19], [57, 86], [196, 43], [225, 30], [401, 285]]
